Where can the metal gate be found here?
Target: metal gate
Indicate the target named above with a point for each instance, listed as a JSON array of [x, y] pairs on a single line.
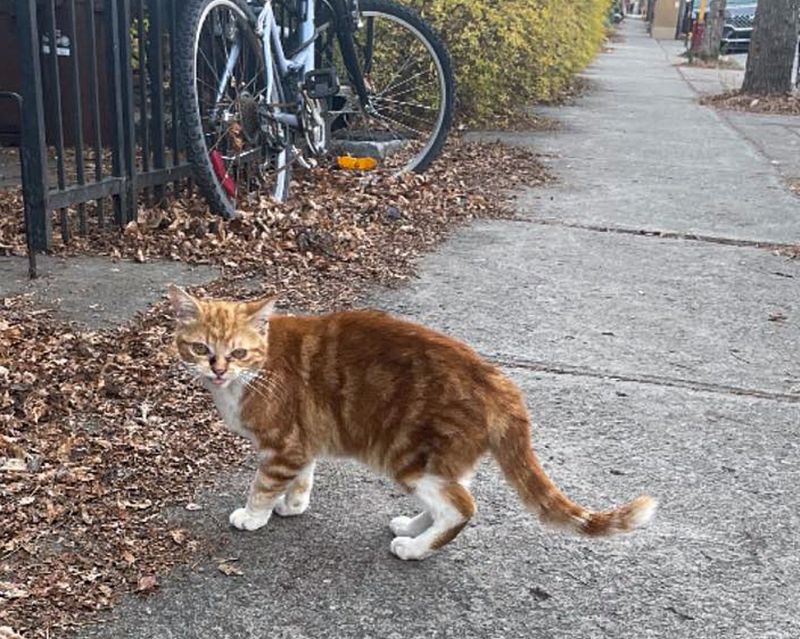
[[100, 128]]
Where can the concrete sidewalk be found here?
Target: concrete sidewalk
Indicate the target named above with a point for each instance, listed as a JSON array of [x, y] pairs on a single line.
[[775, 137], [647, 156], [650, 364]]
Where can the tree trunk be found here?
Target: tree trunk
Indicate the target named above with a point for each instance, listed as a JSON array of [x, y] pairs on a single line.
[[712, 35], [772, 48]]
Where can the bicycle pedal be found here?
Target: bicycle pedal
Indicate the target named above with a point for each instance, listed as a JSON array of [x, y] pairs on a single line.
[[321, 83]]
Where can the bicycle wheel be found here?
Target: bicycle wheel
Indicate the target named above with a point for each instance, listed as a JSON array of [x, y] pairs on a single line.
[[239, 154], [409, 78]]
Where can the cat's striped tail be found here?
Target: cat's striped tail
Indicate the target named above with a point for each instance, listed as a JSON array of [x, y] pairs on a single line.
[[522, 469]]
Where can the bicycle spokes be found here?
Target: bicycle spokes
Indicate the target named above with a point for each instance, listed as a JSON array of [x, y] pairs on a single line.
[[407, 87]]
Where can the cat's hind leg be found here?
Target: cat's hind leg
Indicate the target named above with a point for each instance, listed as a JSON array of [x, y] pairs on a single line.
[[297, 497], [450, 506]]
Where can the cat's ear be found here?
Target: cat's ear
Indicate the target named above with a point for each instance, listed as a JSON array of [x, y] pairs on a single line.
[[259, 311], [185, 306]]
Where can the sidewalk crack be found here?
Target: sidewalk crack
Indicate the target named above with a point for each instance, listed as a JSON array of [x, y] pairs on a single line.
[[663, 235], [510, 361]]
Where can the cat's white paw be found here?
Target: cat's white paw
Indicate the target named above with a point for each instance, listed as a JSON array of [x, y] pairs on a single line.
[[401, 526], [294, 505], [411, 526], [244, 519], [407, 548]]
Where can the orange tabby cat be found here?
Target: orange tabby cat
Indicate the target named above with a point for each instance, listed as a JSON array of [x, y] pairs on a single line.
[[414, 404]]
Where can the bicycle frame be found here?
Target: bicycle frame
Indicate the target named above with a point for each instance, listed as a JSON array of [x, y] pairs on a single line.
[[302, 61], [268, 31]]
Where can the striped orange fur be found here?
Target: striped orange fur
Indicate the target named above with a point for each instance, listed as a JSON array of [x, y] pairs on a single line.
[[417, 405]]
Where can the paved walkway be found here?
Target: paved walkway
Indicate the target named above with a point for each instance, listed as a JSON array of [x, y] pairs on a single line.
[[645, 155], [775, 137], [650, 363]]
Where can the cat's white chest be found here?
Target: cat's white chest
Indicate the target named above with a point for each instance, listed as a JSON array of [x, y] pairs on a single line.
[[228, 402]]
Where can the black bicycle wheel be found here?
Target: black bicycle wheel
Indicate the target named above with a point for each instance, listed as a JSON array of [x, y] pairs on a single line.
[[409, 79], [238, 156]]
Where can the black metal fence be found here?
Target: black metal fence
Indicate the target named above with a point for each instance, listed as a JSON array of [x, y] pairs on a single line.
[[100, 129]]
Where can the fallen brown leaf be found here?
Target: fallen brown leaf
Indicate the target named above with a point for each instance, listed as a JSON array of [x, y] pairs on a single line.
[[146, 583], [229, 570], [178, 535]]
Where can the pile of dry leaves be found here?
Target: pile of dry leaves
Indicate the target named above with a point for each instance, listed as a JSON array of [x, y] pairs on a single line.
[[722, 62], [94, 442], [338, 230], [787, 104]]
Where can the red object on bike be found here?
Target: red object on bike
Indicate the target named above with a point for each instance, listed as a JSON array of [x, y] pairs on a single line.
[[219, 169]]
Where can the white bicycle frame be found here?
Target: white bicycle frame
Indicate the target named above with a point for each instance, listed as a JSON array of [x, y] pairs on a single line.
[[269, 32]]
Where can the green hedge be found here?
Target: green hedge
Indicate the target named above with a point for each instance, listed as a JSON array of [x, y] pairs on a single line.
[[510, 53]]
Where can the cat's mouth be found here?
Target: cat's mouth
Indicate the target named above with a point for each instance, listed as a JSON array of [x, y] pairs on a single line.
[[220, 382]]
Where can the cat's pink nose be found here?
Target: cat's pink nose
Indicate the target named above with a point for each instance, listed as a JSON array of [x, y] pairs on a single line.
[[219, 372]]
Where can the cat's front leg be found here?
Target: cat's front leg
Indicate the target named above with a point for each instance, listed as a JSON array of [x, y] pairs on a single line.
[[273, 477], [297, 497]]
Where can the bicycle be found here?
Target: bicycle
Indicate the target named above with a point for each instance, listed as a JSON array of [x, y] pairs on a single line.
[[263, 86]]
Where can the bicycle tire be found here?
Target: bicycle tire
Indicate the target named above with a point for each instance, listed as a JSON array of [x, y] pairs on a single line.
[[424, 30], [185, 90]]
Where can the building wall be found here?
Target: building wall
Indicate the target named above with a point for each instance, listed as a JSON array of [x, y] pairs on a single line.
[[665, 19]]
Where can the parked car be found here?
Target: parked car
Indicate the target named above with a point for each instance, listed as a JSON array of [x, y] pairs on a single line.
[[739, 15], [738, 27]]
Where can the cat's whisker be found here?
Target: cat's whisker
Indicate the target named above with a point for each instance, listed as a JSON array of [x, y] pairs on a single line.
[[271, 384], [258, 384], [260, 378], [267, 382], [192, 369], [263, 388], [263, 397]]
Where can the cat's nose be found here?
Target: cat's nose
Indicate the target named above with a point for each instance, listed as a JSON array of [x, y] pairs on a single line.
[[218, 370]]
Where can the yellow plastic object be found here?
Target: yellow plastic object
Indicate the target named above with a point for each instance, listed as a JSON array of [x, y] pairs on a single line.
[[356, 164]]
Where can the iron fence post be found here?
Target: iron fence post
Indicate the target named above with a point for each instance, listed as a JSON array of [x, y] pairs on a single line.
[[155, 71], [33, 143], [53, 78], [129, 130], [26, 209], [115, 89]]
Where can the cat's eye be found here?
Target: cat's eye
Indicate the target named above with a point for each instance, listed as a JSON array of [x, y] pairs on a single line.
[[199, 349], [238, 353]]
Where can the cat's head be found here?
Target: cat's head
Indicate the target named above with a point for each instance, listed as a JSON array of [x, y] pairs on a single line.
[[220, 340]]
